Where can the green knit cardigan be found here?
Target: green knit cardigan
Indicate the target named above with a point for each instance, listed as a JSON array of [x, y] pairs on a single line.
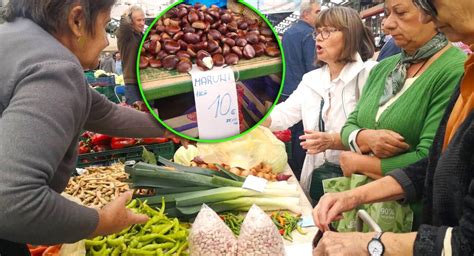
[[416, 114]]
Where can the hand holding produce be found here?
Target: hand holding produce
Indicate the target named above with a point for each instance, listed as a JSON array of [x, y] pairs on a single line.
[[114, 217]]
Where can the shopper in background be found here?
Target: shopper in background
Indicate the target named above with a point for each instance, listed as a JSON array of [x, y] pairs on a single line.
[[129, 36], [444, 181], [389, 47], [107, 63], [45, 104], [343, 46], [298, 46], [118, 64]]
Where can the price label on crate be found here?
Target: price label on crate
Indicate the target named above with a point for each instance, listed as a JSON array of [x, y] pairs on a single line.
[[215, 95]]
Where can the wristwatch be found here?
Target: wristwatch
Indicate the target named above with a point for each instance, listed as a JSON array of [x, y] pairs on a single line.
[[375, 246]]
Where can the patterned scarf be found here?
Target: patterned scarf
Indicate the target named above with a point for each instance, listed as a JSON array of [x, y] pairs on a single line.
[[396, 79]]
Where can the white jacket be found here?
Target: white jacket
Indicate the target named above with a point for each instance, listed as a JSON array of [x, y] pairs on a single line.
[[340, 98]]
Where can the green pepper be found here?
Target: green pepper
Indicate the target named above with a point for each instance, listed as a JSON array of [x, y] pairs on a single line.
[[103, 251], [157, 246], [155, 236], [165, 229], [116, 251], [172, 250], [178, 235], [159, 252], [182, 247], [132, 204], [140, 251], [93, 242]]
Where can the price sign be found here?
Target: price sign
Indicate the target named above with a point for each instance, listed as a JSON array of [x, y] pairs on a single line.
[[215, 95]]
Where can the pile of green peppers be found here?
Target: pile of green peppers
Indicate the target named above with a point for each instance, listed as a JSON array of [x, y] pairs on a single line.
[[159, 236]]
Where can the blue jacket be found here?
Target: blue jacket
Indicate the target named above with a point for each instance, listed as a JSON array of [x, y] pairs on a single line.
[[299, 49], [388, 49]]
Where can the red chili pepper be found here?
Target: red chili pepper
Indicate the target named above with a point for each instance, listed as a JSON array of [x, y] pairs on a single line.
[[175, 140], [84, 149], [37, 250], [100, 148], [153, 140], [100, 139], [87, 134], [282, 231], [284, 136], [118, 143]]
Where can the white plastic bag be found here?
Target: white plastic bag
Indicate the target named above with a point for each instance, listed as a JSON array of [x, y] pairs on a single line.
[[210, 236], [259, 236]]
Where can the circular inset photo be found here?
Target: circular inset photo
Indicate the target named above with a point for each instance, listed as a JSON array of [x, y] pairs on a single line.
[[211, 73]]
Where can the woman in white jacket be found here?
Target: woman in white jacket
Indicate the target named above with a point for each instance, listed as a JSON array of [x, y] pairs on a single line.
[[343, 44]]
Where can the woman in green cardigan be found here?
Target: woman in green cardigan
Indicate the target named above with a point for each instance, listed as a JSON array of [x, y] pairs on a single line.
[[392, 126]]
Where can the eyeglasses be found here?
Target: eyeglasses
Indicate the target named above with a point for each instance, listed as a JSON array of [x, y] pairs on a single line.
[[426, 6], [325, 32]]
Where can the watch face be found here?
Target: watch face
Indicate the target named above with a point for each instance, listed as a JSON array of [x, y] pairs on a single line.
[[375, 248]]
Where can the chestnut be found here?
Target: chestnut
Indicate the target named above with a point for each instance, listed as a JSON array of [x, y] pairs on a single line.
[[201, 54], [191, 38], [212, 45], [155, 37], [144, 62], [259, 50], [203, 45], [232, 35], [243, 25], [266, 31], [189, 29], [183, 44], [214, 34], [170, 62], [183, 54], [231, 59], [182, 12], [252, 38], [272, 51], [218, 50], [237, 50], [229, 41], [225, 49], [191, 51], [172, 47], [226, 18], [155, 63], [193, 17], [199, 25], [154, 47], [162, 54], [241, 42], [208, 18], [222, 28], [248, 51], [214, 13], [184, 66], [172, 29], [232, 26], [178, 35], [218, 59]]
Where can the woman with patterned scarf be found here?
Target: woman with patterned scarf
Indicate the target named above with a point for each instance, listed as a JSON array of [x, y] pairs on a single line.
[[444, 181]]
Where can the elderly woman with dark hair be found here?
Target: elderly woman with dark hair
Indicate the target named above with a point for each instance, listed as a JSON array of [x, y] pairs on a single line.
[[45, 103], [444, 181]]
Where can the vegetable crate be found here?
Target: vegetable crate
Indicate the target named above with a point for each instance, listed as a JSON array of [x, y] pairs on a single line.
[[108, 157], [101, 81]]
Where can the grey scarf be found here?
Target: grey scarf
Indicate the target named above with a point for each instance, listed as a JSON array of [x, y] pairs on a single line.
[[396, 79]]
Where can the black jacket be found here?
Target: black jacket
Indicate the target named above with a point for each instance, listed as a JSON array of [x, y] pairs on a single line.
[[445, 183]]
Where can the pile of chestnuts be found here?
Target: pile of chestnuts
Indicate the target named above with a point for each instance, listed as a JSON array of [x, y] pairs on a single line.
[[206, 36]]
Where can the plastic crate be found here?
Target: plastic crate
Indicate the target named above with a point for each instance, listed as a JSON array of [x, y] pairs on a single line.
[[109, 157]]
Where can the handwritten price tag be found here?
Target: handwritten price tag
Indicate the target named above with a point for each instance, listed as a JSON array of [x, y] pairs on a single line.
[[215, 95]]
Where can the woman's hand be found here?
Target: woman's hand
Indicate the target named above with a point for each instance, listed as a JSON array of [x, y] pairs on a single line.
[[315, 142], [115, 217], [384, 143], [334, 243], [331, 206], [349, 161]]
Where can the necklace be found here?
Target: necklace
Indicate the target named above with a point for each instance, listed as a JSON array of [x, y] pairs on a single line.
[[421, 67]]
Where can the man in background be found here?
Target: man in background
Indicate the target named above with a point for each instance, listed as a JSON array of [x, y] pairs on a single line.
[[118, 64], [107, 63], [299, 49], [129, 36]]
